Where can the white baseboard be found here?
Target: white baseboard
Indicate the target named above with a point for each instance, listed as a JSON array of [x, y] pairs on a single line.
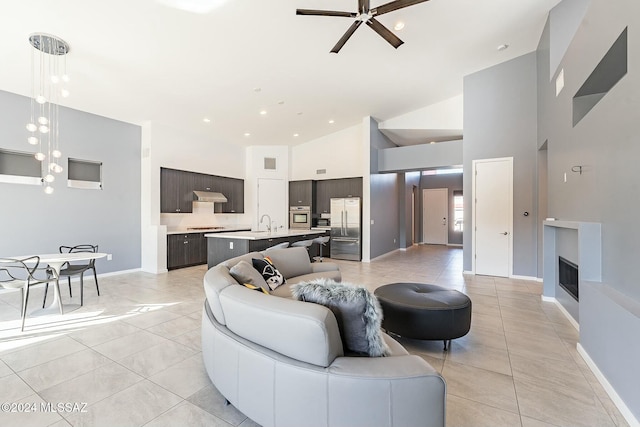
[[468, 273], [455, 245], [615, 398], [531, 278], [563, 310]]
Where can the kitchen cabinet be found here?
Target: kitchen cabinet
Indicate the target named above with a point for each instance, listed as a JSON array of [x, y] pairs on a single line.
[[203, 182], [176, 191], [323, 204], [346, 187], [302, 193], [184, 250], [343, 187], [233, 190], [177, 186]]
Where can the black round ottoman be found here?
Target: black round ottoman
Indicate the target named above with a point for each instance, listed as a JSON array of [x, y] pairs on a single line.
[[424, 312]]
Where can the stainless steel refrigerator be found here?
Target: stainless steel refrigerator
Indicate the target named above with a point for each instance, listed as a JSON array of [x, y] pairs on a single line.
[[345, 229]]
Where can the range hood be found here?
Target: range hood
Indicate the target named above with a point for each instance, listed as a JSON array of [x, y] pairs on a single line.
[[210, 196]]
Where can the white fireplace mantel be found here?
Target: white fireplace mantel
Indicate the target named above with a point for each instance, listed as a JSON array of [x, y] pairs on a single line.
[[589, 253]]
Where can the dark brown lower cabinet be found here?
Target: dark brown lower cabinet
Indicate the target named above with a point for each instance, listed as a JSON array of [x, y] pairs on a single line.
[[185, 250]]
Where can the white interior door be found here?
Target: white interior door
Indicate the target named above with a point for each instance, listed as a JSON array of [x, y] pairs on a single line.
[[272, 200], [435, 218], [493, 216]]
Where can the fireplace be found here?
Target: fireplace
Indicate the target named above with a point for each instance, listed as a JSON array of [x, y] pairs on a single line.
[[568, 277]]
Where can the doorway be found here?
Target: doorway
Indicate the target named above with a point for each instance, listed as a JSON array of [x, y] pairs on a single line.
[[493, 216], [435, 218]]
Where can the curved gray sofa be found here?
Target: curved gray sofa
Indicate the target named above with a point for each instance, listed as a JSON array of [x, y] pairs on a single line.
[[281, 362]]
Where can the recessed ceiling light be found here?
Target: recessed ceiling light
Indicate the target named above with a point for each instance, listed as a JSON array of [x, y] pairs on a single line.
[[263, 112], [399, 26], [432, 142], [247, 134], [296, 134], [331, 121], [502, 47], [206, 120]]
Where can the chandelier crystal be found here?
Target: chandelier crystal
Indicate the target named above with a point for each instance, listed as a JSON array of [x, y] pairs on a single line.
[[48, 84]]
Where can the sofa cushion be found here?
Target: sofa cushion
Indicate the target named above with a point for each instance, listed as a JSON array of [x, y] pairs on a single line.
[[244, 273], [291, 262], [305, 332], [269, 272], [246, 257], [356, 309]]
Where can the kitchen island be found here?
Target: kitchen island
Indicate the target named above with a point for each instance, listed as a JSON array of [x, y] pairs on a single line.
[[187, 246], [222, 246]]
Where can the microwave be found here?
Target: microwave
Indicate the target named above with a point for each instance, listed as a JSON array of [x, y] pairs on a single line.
[[300, 217]]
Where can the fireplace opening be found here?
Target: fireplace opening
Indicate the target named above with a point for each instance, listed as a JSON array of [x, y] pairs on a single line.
[[568, 277]]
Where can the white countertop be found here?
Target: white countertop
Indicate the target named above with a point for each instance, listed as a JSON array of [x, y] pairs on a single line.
[[260, 235], [228, 229]]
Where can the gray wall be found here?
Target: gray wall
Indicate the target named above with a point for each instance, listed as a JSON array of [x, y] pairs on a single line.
[[407, 182], [34, 222], [605, 143], [452, 182], [500, 120], [420, 157], [385, 190], [563, 24]]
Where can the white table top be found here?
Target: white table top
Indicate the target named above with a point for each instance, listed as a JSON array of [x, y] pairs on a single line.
[[57, 258]]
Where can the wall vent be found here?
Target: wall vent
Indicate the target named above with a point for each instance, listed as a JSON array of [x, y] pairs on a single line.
[[320, 171], [270, 163], [604, 77]]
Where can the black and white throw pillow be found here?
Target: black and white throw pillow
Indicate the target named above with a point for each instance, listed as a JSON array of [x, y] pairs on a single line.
[[268, 271]]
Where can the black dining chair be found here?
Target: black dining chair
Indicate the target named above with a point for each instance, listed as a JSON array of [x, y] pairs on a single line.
[[69, 269], [21, 274]]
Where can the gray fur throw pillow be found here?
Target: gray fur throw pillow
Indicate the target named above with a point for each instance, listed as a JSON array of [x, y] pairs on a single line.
[[356, 309]]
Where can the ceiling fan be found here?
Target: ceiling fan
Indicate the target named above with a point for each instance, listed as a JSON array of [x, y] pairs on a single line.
[[366, 15]]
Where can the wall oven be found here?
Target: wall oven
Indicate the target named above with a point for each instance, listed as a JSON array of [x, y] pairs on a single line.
[[300, 217]]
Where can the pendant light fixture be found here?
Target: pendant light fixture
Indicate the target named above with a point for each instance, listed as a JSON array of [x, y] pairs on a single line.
[[48, 84]]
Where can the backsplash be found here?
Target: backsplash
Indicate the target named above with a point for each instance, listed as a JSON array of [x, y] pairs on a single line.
[[202, 216]]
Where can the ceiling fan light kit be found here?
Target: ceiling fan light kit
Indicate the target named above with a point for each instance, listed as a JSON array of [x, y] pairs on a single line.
[[367, 15]]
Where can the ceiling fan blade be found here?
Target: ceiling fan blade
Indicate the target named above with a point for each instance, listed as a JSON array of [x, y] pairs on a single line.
[[384, 32], [363, 6], [394, 5], [352, 29], [325, 13]]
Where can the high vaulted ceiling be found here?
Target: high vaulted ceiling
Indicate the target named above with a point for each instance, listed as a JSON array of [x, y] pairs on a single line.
[[142, 60]]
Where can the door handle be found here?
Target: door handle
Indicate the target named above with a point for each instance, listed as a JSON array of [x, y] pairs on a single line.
[[505, 233]]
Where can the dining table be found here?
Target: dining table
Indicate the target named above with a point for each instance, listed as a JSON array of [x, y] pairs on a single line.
[[56, 261]]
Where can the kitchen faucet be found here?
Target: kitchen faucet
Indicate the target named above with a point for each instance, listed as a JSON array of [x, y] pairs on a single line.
[[268, 223]]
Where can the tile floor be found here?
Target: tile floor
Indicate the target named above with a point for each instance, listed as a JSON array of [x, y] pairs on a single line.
[[132, 355]]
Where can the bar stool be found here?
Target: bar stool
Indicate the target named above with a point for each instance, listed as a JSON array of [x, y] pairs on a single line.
[[304, 244], [321, 242], [278, 246]]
